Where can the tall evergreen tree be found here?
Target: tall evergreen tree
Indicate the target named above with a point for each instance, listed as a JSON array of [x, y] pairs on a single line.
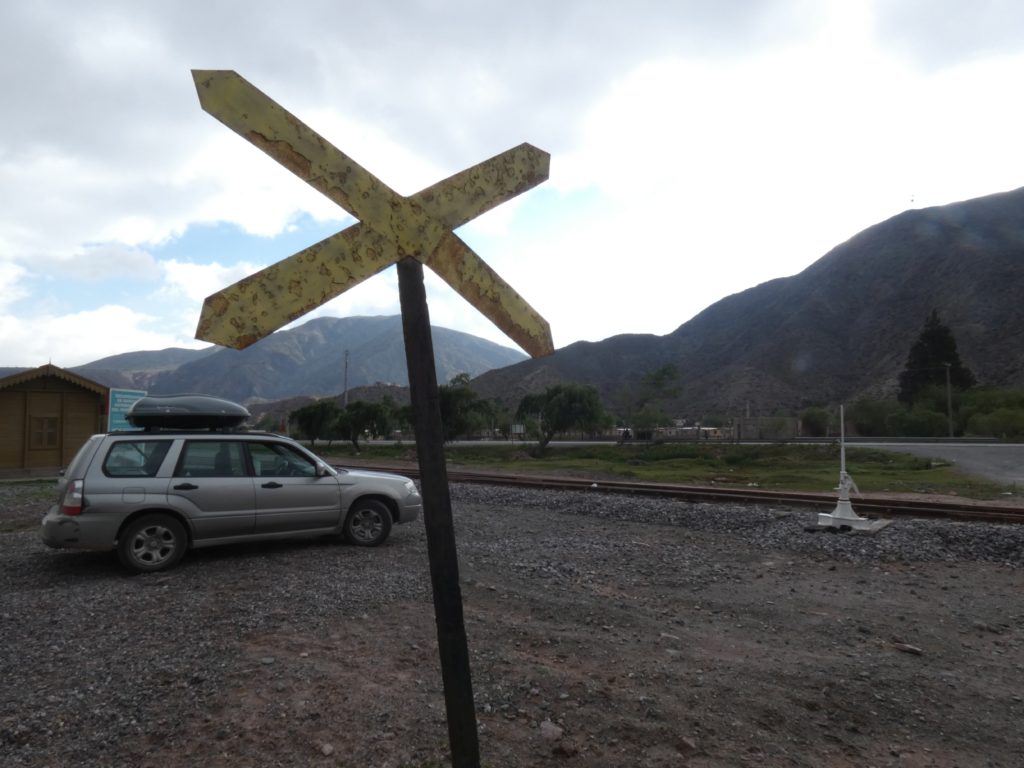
[[926, 365]]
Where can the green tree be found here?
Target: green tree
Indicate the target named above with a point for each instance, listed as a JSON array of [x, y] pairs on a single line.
[[988, 399], [270, 422], [316, 420], [646, 420], [875, 418], [641, 404], [921, 422], [405, 419], [361, 417], [930, 356], [1004, 423], [462, 411], [494, 418], [989, 412], [561, 408], [815, 421], [660, 384]]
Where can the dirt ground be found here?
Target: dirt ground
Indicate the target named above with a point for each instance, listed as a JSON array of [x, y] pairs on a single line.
[[645, 654], [594, 641]]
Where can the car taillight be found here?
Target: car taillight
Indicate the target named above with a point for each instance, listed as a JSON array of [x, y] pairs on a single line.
[[72, 502]]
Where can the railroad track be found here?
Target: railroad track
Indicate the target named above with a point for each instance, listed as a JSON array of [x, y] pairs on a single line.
[[873, 506]]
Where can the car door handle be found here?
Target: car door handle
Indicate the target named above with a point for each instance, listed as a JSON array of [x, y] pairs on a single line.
[[185, 487], [272, 484]]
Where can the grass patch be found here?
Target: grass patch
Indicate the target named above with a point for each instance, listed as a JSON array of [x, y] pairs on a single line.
[[812, 468]]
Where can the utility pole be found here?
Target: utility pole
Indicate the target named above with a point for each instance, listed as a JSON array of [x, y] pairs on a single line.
[[344, 403], [949, 399]]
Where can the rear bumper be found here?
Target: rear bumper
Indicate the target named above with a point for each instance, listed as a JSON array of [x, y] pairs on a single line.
[[77, 532]]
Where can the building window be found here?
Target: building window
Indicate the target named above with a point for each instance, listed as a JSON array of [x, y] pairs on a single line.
[[44, 433]]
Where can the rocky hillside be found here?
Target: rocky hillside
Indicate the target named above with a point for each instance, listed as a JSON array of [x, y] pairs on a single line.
[[840, 329], [308, 360]]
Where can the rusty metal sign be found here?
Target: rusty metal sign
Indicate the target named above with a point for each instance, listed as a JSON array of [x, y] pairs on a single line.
[[391, 227]]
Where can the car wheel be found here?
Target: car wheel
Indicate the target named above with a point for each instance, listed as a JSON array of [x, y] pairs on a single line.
[[368, 523], [151, 543]]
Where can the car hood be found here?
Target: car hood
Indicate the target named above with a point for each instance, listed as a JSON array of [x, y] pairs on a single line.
[[355, 474]]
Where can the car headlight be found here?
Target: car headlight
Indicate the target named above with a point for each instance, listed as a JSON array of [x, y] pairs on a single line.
[[410, 486]]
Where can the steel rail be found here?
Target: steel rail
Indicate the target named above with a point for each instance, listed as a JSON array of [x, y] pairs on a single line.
[[873, 506]]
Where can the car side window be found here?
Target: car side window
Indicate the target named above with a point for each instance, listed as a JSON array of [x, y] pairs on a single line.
[[135, 458], [277, 460], [212, 458]]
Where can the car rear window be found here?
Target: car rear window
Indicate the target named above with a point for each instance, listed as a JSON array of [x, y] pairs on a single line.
[[135, 458], [78, 464]]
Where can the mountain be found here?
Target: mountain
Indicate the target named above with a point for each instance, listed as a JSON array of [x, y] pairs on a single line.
[[308, 360], [839, 330], [138, 370]]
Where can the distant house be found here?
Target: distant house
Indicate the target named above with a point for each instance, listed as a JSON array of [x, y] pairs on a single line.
[[46, 414]]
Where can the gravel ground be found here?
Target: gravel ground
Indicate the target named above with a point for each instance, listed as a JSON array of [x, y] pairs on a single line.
[[603, 630]]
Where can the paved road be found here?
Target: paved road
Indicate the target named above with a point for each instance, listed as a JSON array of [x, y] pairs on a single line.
[[1001, 462]]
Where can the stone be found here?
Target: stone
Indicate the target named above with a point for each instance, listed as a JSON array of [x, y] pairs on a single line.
[[550, 731], [907, 648]]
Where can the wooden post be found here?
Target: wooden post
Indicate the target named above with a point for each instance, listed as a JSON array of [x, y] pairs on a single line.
[[437, 517]]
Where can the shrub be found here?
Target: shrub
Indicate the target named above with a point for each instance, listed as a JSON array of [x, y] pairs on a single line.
[[815, 422], [1004, 423]]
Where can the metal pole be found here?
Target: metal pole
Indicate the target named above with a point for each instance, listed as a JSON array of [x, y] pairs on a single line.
[[949, 400], [842, 442], [345, 403], [437, 517]]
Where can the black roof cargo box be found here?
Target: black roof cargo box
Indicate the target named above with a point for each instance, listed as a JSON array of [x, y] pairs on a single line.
[[185, 412]]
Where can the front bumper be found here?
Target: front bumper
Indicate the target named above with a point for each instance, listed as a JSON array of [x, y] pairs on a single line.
[[409, 508]]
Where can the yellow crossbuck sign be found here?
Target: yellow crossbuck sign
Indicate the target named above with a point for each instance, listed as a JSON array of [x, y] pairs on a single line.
[[391, 227]]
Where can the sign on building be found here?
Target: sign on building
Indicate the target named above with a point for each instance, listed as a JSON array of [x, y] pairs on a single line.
[[120, 401]]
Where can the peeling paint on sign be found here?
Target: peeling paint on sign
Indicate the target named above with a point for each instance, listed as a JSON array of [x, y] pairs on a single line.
[[391, 227]]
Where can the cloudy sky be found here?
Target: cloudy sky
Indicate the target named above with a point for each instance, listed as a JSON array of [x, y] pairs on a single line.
[[698, 148]]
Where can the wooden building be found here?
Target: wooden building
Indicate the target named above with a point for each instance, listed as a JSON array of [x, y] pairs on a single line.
[[46, 414]]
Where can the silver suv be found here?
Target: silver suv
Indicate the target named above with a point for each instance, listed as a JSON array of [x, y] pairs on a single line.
[[151, 495]]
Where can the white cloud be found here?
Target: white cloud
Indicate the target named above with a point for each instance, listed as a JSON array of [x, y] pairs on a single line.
[[197, 281], [105, 260], [719, 177], [11, 277], [82, 337], [934, 35], [698, 148], [377, 295], [236, 182]]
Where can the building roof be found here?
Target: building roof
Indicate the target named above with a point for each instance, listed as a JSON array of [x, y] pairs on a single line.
[[60, 373]]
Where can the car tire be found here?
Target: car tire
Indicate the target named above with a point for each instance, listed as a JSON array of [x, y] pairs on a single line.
[[368, 523], [151, 543]]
